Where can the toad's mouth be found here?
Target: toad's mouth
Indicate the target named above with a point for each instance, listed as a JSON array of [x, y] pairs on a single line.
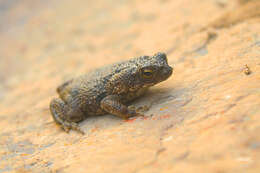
[[149, 85]]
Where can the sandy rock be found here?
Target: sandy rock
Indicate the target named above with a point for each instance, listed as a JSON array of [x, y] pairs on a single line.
[[205, 118]]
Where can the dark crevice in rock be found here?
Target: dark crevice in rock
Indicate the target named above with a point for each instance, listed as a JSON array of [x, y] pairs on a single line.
[[202, 49]]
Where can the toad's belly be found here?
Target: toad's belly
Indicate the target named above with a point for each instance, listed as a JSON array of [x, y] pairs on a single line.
[[130, 96], [92, 110]]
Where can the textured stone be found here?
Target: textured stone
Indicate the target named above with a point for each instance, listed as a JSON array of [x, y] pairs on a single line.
[[203, 119]]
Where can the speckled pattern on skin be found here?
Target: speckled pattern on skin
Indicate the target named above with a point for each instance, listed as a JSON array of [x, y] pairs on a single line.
[[107, 90]]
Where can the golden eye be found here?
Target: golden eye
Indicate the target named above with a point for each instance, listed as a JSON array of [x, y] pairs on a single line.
[[147, 73]]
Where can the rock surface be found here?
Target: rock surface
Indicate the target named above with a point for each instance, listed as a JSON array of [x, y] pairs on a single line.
[[203, 119]]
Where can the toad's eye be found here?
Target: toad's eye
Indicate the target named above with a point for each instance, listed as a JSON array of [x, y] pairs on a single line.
[[147, 73]]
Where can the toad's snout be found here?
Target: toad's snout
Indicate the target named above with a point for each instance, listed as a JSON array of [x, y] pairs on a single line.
[[167, 71]]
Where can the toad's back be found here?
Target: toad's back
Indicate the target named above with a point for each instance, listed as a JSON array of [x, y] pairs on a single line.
[[87, 91]]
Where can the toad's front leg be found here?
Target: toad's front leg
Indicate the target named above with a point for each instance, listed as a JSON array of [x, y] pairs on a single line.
[[112, 105]]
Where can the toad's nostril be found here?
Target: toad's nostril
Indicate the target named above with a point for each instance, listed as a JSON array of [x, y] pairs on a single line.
[[167, 71]]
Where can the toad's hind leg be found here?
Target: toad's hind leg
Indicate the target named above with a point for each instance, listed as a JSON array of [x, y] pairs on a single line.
[[61, 115]]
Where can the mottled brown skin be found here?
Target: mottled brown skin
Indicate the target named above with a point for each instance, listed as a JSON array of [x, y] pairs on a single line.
[[107, 90]]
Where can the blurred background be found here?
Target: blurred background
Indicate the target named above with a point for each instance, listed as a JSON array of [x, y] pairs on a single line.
[[203, 119]]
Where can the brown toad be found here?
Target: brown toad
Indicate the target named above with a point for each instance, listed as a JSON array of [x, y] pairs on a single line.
[[107, 90]]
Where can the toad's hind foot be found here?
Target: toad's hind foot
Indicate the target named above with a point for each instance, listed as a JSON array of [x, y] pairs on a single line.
[[57, 108]]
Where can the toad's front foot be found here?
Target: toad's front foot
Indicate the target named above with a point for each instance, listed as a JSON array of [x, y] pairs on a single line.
[[140, 109], [58, 111], [112, 104]]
